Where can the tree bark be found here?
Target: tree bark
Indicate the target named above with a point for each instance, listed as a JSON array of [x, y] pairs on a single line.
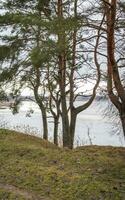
[[56, 125], [62, 78], [123, 122], [43, 113], [45, 124], [72, 130], [116, 96]]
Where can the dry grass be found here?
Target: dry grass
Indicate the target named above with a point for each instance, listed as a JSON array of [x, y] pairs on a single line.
[[38, 168]]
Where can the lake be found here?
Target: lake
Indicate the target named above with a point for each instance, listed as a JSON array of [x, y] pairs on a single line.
[[92, 126]]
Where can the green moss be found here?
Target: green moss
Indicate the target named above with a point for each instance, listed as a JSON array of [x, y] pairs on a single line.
[[36, 166]]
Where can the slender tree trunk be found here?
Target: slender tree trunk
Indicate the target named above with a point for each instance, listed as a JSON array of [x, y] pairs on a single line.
[[56, 125], [72, 129], [123, 123], [45, 124], [116, 96], [66, 136], [65, 118], [62, 77], [122, 117], [43, 113]]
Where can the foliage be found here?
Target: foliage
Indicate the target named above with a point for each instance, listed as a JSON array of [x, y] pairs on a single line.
[[3, 96], [54, 48], [4, 52]]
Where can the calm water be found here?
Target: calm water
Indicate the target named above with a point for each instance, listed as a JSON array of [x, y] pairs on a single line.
[[90, 121]]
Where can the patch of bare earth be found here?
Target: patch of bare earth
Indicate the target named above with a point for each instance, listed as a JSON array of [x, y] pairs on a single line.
[[25, 194]]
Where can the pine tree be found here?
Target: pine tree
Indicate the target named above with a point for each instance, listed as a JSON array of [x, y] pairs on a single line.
[[46, 47]]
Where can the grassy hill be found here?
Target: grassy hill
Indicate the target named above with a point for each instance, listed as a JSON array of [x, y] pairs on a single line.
[[31, 168]]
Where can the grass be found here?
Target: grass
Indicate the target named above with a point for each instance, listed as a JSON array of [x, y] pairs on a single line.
[[31, 168]]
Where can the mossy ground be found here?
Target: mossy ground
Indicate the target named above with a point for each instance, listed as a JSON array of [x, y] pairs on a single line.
[[48, 173]]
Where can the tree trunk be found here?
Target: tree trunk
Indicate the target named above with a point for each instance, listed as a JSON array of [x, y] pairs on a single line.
[[56, 123], [62, 77], [123, 123], [72, 130], [122, 117], [117, 95], [45, 124], [66, 137], [43, 113]]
